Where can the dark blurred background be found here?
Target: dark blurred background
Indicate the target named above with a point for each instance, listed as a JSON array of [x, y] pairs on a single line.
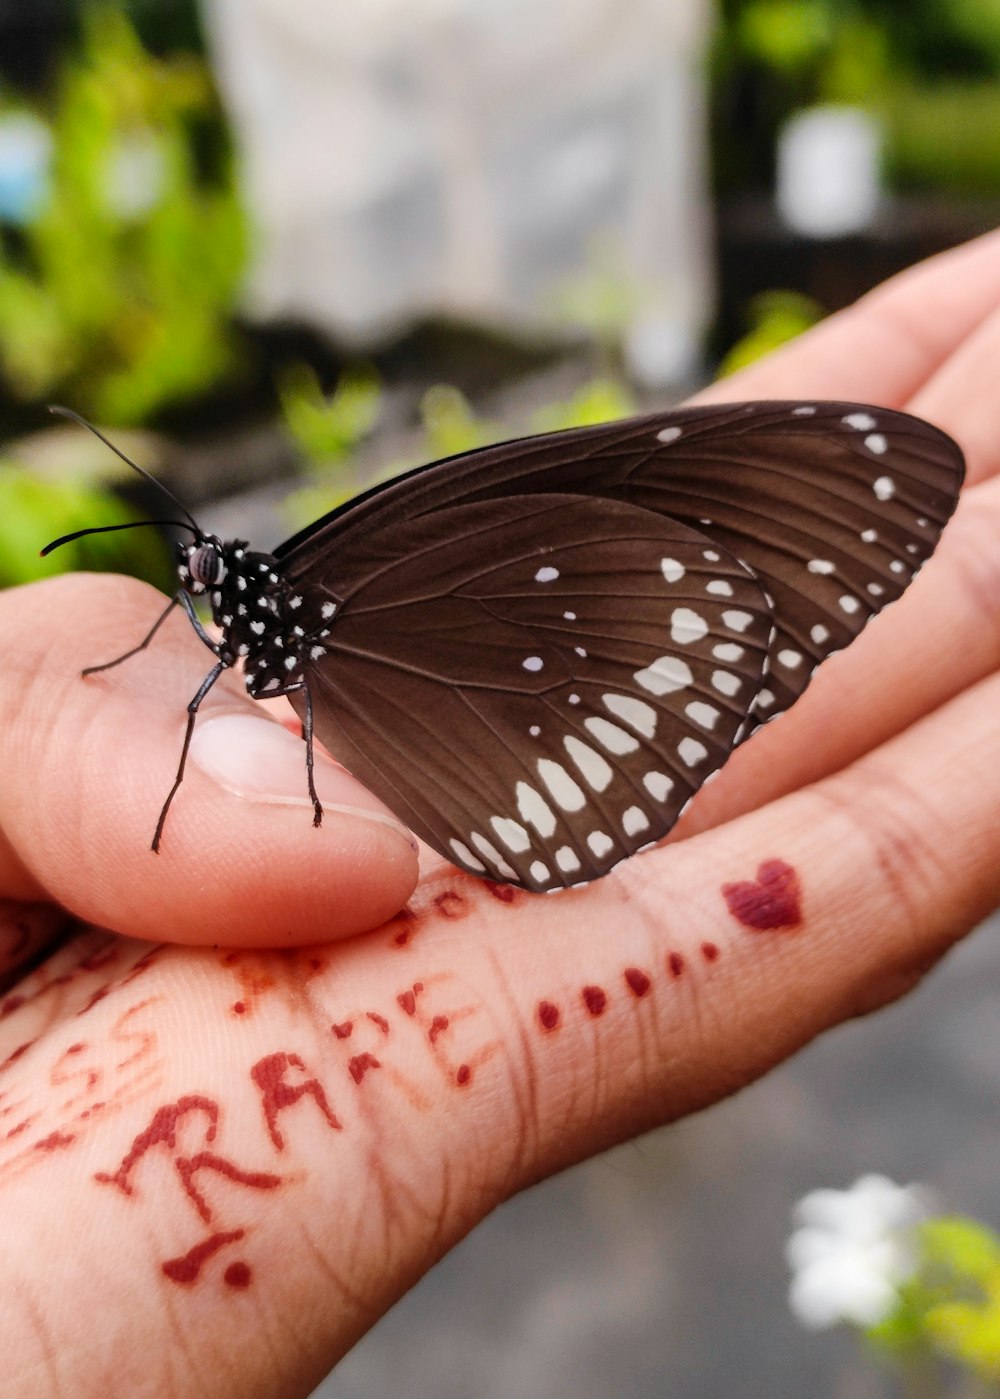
[[283, 250]]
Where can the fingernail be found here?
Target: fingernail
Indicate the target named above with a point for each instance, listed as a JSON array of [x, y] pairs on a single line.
[[262, 762]]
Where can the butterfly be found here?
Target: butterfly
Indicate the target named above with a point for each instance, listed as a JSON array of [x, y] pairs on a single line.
[[536, 653]]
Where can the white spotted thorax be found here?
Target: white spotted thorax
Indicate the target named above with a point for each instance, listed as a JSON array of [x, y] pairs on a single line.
[[536, 654], [274, 630]]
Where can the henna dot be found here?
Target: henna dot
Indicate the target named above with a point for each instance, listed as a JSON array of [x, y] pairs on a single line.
[[548, 1015], [463, 1075], [594, 999], [675, 964], [637, 981], [238, 1275]]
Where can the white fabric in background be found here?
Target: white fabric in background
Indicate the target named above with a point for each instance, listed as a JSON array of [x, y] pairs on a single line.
[[470, 156]]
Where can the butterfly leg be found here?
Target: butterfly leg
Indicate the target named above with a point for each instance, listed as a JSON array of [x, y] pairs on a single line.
[[307, 738], [108, 665], [192, 710]]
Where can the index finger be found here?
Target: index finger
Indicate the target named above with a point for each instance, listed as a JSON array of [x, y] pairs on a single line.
[[88, 762]]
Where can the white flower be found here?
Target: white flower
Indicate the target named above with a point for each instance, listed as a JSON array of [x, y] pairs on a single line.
[[852, 1250]]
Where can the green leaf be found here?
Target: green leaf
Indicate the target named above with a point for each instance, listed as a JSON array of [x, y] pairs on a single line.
[[34, 511]]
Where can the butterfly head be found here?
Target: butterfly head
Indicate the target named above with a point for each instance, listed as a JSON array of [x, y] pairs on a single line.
[[204, 563]]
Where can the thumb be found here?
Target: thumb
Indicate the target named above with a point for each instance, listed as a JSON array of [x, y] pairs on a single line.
[[88, 763]]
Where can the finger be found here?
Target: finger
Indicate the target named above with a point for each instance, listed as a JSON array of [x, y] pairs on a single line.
[[940, 638], [961, 397], [88, 763], [887, 345]]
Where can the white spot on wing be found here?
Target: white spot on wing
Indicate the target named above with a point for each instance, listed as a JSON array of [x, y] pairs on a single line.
[[666, 675], [600, 843], [658, 785], [610, 736], [540, 873], [636, 712], [465, 856], [532, 663], [567, 860], [720, 588], [727, 651], [737, 621], [876, 442], [686, 626], [596, 770], [804, 410], [546, 575], [704, 714], [669, 434], [672, 571], [565, 792], [515, 837], [819, 566], [819, 634], [789, 658], [725, 682], [491, 853], [635, 820], [534, 809], [884, 488], [864, 422], [691, 752], [849, 604]]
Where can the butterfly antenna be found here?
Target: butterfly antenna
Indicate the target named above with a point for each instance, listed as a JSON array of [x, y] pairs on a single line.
[[68, 413], [107, 529]]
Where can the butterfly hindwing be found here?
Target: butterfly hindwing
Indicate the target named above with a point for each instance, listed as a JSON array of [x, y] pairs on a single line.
[[538, 684]]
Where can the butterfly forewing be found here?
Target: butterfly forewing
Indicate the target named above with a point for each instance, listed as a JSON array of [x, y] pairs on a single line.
[[832, 505], [538, 684]]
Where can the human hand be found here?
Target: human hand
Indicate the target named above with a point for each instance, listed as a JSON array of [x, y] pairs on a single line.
[[220, 1167]]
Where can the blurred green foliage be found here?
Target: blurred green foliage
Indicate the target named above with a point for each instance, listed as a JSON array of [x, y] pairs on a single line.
[[774, 317], [330, 429], [927, 68], [117, 295], [950, 1308], [35, 510]]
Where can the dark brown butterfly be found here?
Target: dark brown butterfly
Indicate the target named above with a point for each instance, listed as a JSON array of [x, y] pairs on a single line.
[[537, 652]]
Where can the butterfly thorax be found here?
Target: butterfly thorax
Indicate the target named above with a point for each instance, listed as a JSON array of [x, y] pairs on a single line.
[[274, 627]]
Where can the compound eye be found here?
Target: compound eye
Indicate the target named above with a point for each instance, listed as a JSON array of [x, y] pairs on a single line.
[[206, 565]]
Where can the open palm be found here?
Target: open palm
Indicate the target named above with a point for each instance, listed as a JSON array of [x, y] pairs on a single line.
[[235, 1127]]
